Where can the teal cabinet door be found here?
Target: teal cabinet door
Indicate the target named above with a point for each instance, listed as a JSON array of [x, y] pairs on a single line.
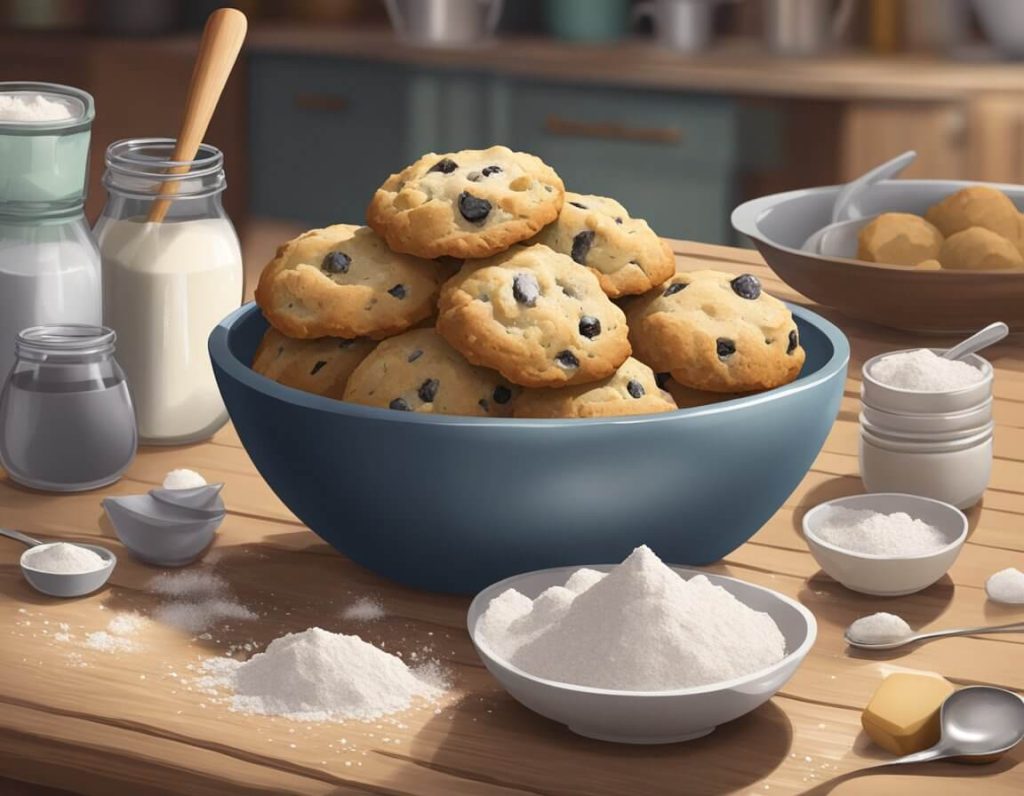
[[669, 158]]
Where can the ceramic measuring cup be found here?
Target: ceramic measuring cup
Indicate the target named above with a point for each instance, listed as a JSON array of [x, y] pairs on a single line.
[[62, 584]]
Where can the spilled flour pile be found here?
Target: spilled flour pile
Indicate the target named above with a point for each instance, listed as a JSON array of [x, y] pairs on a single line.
[[196, 600], [364, 609], [317, 675], [641, 627]]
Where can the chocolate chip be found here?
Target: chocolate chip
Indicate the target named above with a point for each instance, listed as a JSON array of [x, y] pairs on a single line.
[[400, 405], [415, 355], [661, 379], [473, 208], [725, 347], [317, 366], [618, 219], [335, 263], [502, 394], [280, 350], [794, 341], [346, 343], [567, 359], [484, 405], [489, 170], [746, 286], [445, 166], [474, 176], [398, 291], [590, 327], [674, 288], [525, 289], [579, 205], [428, 390], [635, 388], [581, 245]]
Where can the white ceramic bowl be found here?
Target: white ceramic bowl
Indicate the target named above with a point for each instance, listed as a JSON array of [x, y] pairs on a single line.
[[888, 576], [58, 584], [892, 399], [656, 717]]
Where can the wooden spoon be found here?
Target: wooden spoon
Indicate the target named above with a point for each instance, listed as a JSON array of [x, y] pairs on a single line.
[[218, 51]]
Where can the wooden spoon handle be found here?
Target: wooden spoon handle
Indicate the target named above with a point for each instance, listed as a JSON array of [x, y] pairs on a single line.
[[218, 51]]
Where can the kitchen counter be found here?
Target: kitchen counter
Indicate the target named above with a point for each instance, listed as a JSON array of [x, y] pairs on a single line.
[[127, 723]]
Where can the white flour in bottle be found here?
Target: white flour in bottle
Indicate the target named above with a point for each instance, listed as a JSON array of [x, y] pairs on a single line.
[[165, 286]]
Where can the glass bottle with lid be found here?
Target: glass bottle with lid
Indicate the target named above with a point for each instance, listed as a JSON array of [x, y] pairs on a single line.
[[49, 263], [167, 284], [66, 419]]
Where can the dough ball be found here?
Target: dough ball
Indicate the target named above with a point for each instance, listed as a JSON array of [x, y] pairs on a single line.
[[977, 206], [979, 249], [928, 265], [898, 239]]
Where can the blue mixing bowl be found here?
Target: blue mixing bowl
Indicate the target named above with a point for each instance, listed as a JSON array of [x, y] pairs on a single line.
[[455, 503]]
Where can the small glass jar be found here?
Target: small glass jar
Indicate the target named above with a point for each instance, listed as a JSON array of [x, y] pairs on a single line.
[[167, 284], [66, 417]]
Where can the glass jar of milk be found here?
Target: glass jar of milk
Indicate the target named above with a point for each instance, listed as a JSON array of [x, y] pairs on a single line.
[[167, 284]]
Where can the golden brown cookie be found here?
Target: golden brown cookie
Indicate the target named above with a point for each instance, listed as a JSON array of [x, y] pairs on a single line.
[[321, 366], [630, 390], [929, 265], [535, 316], [624, 253], [342, 281], [419, 372], [472, 203], [898, 239], [716, 332], [689, 398], [979, 249], [977, 206]]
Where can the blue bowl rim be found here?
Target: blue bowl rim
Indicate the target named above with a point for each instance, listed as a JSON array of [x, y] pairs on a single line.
[[221, 354], [795, 656]]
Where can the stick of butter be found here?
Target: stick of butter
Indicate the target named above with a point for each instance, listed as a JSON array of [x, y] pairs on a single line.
[[903, 715]]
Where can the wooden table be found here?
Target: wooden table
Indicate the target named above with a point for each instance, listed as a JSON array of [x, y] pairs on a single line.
[[127, 723]]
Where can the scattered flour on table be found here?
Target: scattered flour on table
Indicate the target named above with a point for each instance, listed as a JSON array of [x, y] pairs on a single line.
[[317, 675], [117, 636], [641, 627], [1006, 586], [880, 628], [183, 479], [875, 533], [63, 558], [197, 600], [924, 371], [364, 609]]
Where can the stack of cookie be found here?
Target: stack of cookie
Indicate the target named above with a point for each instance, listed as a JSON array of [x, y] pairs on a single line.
[[481, 287]]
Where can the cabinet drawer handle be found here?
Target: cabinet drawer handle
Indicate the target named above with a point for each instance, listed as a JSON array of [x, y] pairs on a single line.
[[312, 101], [615, 131]]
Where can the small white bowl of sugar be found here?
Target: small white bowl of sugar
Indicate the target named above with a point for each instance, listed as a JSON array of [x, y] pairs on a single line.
[[885, 544], [921, 381]]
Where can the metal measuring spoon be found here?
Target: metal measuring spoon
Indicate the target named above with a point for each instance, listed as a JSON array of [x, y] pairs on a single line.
[[991, 334], [976, 721], [1013, 627], [63, 584]]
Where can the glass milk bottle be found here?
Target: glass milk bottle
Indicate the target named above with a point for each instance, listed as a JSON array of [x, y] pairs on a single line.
[[167, 284], [49, 263]]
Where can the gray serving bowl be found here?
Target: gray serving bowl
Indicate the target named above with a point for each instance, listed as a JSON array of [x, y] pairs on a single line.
[[455, 503], [894, 296]]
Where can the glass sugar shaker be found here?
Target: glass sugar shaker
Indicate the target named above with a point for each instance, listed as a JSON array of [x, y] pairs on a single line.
[[66, 417]]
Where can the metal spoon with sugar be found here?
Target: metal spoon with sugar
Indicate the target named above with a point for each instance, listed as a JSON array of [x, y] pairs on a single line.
[[1013, 627], [62, 584], [991, 334]]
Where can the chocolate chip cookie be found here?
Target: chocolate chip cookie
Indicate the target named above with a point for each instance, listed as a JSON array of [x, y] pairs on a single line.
[[321, 366], [473, 203], [419, 372], [342, 281], [630, 390], [716, 332], [535, 316], [624, 253]]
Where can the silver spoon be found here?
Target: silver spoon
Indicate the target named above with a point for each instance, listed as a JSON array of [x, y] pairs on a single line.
[[991, 334], [976, 721], [63, 584], [852, 190], [1013, 627]]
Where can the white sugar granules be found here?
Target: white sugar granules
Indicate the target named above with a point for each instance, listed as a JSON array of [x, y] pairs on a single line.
[[874, 533], [116, 638], [126, 624], [32, 108], [365, 609], [191, 583], [198, 600], [183, 479], [641, 627], [880, 628], [316, 675], [924, 371], [1006, 586], [63, 558]]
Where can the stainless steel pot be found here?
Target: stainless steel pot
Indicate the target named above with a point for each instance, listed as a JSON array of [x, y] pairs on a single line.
[[439, 23]]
